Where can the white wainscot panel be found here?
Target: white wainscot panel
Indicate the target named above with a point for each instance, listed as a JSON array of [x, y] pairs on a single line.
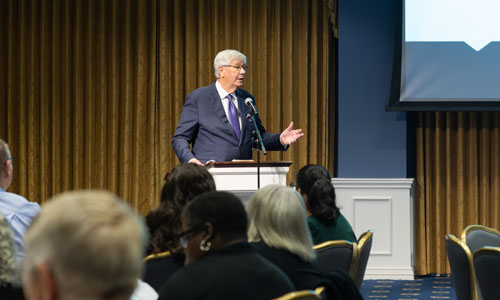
[[386, 207]]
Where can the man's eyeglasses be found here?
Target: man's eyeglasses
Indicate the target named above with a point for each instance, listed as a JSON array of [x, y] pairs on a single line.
[[184, 236], [10, 158], [244, 67]]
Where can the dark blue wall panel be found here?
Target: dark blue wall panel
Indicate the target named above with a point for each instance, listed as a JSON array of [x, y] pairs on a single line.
[[371, 141]]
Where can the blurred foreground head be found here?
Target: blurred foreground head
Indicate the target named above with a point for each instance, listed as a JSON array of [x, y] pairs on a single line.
[[84, 245]]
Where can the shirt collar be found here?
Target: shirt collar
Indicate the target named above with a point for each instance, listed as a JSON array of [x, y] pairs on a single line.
[[2, 190], [222, 92]]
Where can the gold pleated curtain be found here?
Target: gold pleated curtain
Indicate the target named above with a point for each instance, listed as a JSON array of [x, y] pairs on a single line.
[[458, 180], [91, 91]]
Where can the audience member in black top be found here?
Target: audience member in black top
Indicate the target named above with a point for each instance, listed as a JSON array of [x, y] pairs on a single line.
[[182, 184], [10, 279], [279, 231], [220, 264]]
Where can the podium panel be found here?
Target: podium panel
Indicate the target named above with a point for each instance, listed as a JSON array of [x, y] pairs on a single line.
[[240, 177]]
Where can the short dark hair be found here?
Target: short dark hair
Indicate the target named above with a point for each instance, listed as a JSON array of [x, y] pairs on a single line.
[[315, 181], [182, 184], [223, 210]]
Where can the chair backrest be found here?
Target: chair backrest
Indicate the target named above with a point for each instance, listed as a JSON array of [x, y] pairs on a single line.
[[487, 268], [478, 236], [462, 268], [305, 295], [339, 254], [364, 248]]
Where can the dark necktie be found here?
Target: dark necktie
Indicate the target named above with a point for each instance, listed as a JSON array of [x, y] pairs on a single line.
[[233, 116]]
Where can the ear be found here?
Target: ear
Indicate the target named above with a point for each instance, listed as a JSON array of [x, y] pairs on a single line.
[[208, 232], [6, 168], [45, 283]]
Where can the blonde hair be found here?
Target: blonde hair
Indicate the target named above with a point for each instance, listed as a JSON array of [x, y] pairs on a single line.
[[225, 57], [277, 217], [92, 242]]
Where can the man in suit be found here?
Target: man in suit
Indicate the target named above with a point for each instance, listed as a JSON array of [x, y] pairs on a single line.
[[213, 118]]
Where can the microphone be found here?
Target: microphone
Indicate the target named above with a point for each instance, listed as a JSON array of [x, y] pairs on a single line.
[[249, 104]]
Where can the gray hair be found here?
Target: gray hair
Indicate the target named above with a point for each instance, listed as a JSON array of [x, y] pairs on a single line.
[[92, 242], [277, 217], [4, 154], [225, 57]]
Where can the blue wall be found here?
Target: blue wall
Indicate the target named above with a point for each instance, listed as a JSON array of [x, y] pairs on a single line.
[[371, 142]]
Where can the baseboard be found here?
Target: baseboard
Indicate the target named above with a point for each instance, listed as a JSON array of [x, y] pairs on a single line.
[[396, 274]]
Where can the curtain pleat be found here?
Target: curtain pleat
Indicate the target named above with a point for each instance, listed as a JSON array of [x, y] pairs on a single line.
[[91, 91], [457, 180]]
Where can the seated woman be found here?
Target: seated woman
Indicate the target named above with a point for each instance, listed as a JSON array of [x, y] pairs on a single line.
[[10, 278], [325, 221], [220, 263], [278, 231], [182, 184]]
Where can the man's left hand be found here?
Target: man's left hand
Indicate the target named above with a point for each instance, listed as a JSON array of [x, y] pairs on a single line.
[[290, 135]]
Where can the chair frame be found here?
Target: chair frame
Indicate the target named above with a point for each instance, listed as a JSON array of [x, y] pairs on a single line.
[[466, 233], [157, 256], [363, 238], [328, 244], [305, 294], [470, 259], [470, 228]]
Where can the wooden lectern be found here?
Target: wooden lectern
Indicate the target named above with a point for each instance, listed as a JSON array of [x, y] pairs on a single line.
[[240, 177]]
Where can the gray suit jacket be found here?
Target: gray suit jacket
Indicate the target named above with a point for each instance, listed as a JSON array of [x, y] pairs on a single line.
[[204, 126]]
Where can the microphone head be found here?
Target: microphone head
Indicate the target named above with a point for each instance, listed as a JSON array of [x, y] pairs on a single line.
[[248, 101]]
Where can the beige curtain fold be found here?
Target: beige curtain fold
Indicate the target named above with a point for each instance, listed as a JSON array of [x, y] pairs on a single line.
[[457, 180], [91, 91]]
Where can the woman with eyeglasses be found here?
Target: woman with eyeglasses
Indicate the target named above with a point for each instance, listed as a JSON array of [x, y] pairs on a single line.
[[166, 256], [220, 263], [325, 221]]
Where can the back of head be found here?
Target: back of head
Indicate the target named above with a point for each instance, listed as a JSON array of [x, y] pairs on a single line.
[[315, 182], [223, 210], [182, 184], [277, 217], [9, 274], [92, 243], [4, 152], [5, 179]]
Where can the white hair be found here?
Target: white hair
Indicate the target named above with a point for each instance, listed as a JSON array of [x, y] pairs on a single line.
[[277, 217], [225, 57], [92, 242]]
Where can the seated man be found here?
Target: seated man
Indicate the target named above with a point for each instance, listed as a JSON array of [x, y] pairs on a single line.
[[84, 245], [18, 211]]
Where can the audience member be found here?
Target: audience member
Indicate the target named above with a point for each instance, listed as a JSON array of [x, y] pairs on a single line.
[[220, 263], [325, 221], [18, 211], [10, 283], [84, 245], [278, 231], [182, 184]]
